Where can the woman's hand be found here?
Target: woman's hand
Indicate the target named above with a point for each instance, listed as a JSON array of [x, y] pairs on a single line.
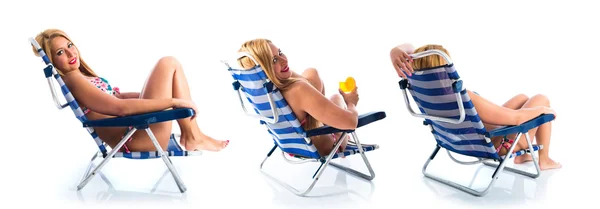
[[527, 114], [401, 61], [350, 97], [547, 110], [117, 92], [182, 103]]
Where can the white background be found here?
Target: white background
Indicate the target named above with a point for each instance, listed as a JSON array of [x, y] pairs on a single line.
[[500, 49]]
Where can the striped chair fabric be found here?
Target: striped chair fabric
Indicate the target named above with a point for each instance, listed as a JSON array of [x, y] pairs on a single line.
[[433, 90], [287, 132], [173, 150]]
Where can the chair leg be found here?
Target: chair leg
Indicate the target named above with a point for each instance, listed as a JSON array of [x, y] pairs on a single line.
[[90, 166], [110, 155], [155, 187], [318, 173], [167, 161], [102, 176], [286, 185], [469, 190], [366, 161], [519, 171], [268, 155]]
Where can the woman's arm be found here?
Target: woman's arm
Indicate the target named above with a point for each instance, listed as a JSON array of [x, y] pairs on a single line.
[[498, 115], [96, 100], [405, 47], [401, 59], [298, 75], [129, 95], [318, 106]]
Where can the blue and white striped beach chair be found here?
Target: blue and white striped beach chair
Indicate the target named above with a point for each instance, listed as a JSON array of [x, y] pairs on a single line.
[[287, 133], [138, 122], [455, 124]]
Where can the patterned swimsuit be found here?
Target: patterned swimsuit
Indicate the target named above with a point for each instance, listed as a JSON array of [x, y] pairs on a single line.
[[103, 85]]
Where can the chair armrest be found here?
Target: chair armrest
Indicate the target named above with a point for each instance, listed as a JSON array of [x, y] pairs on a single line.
[[363, 120], [141, 120], [523, 128]]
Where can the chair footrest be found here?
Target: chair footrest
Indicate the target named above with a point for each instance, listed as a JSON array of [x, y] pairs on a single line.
[[523, 151], [351, 149], [498, 156], [173, 150], [154, 154]]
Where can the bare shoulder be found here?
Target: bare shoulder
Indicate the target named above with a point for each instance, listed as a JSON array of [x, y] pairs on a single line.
[[301, 87], [301, 84], [73, 77], [298, 91], [310, 69], [308, 72]]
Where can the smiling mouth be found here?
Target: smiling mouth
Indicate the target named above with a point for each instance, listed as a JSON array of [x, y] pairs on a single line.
[[73, 61], [287, 68]]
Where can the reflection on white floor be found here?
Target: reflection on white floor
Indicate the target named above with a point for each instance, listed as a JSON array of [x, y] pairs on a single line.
[[128, 184], [230, 178]]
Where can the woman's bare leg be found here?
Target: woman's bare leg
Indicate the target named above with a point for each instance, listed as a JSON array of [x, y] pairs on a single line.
[[325, 143], [312, 75], [168, 80], [541, 135], [514, 103], [339, 101]]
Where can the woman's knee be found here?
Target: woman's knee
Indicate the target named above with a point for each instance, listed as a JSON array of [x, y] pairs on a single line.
[[323, 144], [168, 59], [540, 100], [335, 97], [338, 100], [168, 62], [522, 97], [311, 72], [314, 78]]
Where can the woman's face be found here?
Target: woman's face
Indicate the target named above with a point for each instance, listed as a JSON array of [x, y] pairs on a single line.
[[64, 54], [280, 64]]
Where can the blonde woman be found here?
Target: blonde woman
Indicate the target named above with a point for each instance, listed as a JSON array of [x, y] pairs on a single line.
[[165, 88], [305, 94], [515, 111]]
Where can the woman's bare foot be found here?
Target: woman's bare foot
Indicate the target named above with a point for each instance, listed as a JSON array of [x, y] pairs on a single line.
[[344, 144], [523, 158], [202, 142], [342, 147], [549, 164]]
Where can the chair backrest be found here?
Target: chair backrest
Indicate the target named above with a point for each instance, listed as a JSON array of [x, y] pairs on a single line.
[[53, 76], [271, 108], [447, 108]]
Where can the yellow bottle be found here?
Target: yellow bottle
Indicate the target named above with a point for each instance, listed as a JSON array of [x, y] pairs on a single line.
[[348, 85]]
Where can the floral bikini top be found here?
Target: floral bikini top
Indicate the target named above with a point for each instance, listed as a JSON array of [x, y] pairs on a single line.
[[103, 85]]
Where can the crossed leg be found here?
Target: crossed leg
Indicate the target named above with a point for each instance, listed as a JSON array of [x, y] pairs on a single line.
[[541, 134], [315, 80], [339, 101], [514, 103], [168, 80]]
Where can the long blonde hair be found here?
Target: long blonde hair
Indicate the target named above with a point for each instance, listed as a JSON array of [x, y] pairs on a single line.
[[261, 51], [431, 60], [44, 39]]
